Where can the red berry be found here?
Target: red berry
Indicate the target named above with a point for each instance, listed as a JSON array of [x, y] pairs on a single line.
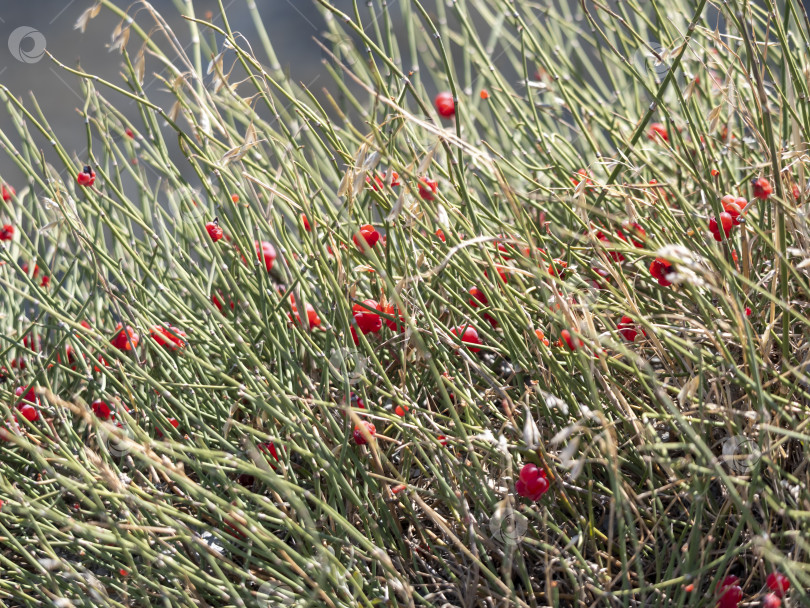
[[168, 337], [379, 182], [6, 232], [616, 255], [87, 177], [762, 188], [727, 221], [392, 311], [214, 231], [440, 234], [636, 233], [7, 192], [541, 336], [557, 268], [357, 401], [478, 296], [359, 436], [305, 221], [657, 130], [34, 274], [503, 272], [730, 593], [771, 601], [428, 188], [312, 317], [660, 269], [401, 410], [442, 439], [602, 273], [269, 448], [583, 174], [469, 336], [32, 342], [569, 340], [778, 583], [101, 409], [29, 412], [627, 329], [128, 132], [125, 338], [367, 320], [266, 253], [28, 395], [218, 303], [445, 105], [368, 235], [532, 482], [11, 428], [747, 311], [734, 206]]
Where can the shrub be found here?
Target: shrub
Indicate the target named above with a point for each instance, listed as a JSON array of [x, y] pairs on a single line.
[[579, 156]]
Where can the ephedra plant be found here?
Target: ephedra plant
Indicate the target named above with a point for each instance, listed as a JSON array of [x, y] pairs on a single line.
[[511, 311]]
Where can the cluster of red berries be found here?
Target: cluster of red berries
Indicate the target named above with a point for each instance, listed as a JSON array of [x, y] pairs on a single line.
[[313, 319], [730, 594], [629, 230], [366, 238], [169, 337], [532, 483], [366, 315], [362, 430], [468, 336], [378, 183], [627, 329], [731, 216], [7, 192], [778, 584], [264, 250], [27, 404]]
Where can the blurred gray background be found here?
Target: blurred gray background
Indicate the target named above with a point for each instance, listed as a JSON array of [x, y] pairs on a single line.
[[291, 24]]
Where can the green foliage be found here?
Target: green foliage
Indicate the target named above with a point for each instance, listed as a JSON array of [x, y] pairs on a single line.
[[674, 459]]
